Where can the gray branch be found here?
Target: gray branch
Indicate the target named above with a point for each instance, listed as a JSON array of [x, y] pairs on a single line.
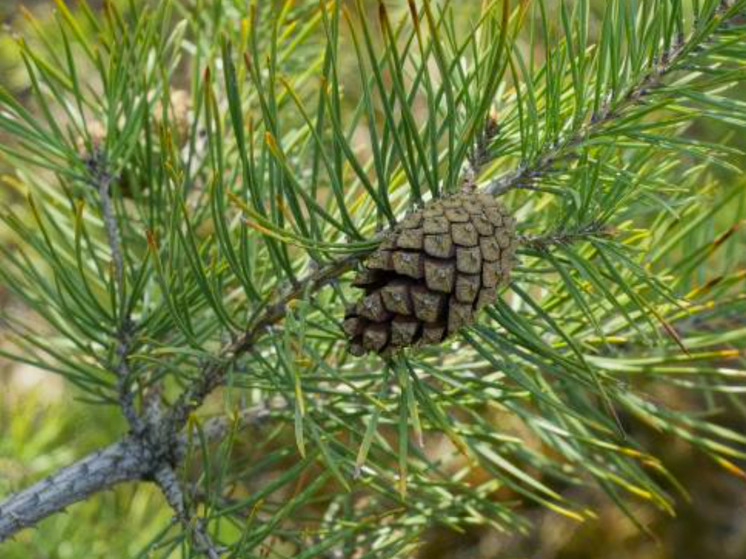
[[131, 459], [126, 460]]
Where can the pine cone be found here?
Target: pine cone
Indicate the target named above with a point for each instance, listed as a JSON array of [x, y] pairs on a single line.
[[431, 273]]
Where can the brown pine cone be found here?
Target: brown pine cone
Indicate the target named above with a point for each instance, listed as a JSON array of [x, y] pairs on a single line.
[[431, 273]]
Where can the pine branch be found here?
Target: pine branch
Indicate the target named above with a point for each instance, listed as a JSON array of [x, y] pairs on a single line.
[[214, 374], [136, 457], [126, 460], [527, 175], [157, 442], [69, 486]]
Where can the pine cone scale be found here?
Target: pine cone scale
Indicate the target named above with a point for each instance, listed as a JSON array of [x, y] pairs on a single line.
[[467, 287], [396, 298], [410, 264], [468, 260]]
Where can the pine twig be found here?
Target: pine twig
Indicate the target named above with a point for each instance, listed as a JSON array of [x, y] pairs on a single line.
[[213, 375], [102, 180], [564, 237], [526, 175], [479, 155], [165, 478]]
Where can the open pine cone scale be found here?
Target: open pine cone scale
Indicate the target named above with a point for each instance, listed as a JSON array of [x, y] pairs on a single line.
[[432, 272]]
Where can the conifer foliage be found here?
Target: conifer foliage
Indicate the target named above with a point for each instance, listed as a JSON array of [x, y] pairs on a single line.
[[207, 185]]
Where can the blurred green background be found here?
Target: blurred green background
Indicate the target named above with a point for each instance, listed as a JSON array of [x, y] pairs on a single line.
[[43, 427]]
